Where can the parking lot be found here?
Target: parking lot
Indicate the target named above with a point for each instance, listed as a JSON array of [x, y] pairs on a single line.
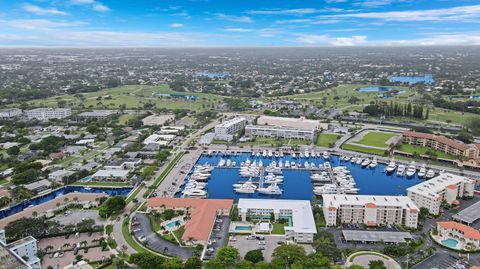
[[244, 244], [218, 236], [75, 216], [442, 261]]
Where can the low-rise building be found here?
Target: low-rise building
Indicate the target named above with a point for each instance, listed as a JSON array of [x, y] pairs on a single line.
[[23, 253], [157, 119], [469, 236], [123, 164], [161, 140], [302, 228], [443, 144], [44, 114], [97, 114], [276, 131], [297, 123], [203, 213], [8, 113], [370, 210], [226, 129], [445, 188], [111, 174], [59, 175]]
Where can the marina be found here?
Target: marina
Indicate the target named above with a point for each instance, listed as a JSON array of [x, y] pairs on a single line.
[[292, 175]]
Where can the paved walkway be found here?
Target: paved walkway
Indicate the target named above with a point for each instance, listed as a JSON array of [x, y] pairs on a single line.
[[365, 258]]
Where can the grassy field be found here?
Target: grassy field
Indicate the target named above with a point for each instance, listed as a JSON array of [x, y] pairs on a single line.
[[325, 140], [129, 238], [376, 139], [179, 233], [424, 151], [131, 96], [362, 149], [123, 119]]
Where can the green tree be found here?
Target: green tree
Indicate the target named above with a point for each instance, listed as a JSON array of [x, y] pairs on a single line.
[[193, 263], [286, 255], [13, 150], [111, 206], [173, 263], [378, 264], [254, 256]]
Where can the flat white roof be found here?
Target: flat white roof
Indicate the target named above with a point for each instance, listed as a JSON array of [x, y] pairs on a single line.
[[437, 184], [231, 122], [111, 173], [337, 200], [300, 123], [302, 216], [158, 139]]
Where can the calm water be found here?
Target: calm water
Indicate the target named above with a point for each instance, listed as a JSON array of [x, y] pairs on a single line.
[[297, 183], [375, 89], [59, 192], [427, 79]]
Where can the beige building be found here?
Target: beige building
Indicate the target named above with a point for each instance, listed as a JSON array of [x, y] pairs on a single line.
[[226, 129], [468, 236], [369, 210], [276, 131], [297, 123], [446, 188], [443, 144]]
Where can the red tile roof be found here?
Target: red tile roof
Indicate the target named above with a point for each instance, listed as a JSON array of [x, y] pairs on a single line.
[[468, 232], [370, 205], [203, 213], [452, 187], [440, 139]]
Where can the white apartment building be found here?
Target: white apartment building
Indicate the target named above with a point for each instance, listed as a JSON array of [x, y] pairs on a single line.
[[9, 113], [297, 123], [48, 113], [446, 188], [226, 129], [369, 210], [22, 253], [277, 131], [302, 225]]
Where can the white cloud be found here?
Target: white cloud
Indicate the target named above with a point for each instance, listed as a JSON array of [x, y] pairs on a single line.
[[242, 19], [293, 21], [239, 30], [176, 25], [335, 1], [82, 2], [460, 13], [42, 11], [39, 24], [326, 40], [296, 11], [100, 7]]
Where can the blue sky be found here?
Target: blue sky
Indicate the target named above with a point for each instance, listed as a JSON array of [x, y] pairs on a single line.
[[126, 23]]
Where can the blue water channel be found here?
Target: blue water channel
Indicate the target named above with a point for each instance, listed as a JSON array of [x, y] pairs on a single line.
[[297, 183], [427, 79], [59, 192]]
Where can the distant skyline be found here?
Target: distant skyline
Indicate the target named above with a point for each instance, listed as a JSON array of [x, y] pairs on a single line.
[[192, 23]]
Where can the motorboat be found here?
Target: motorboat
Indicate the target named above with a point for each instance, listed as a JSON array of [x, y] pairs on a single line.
[[411, 170], [326, 155], [281, 154], [306, 165], [293, 165], [325, 189], [247, 187], [430, 174], [228, 163], [221, 163], [359, 161], [366, 162], [423, 171], [320, 177], [374, 163], [401, 170], [270, 154], [307, 154], [272, 189], [287, 164], [391, 166], [327, 165], [195, 193], [277, 154], [264, 154]]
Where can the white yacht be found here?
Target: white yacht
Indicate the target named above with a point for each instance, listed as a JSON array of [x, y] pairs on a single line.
[[391, 166], [306, 165], [281, 154], [327, 165], [366, 162], [401, 170], [195, 193], [271, 190], [326, 155], [287, 164], [270, 154], [359, 161], [430, 174], [411, 170], [221, 163], [307, 154], [247, 187], [423, 171], [325, 189], [264, 154], [374, 163], [228, 163]]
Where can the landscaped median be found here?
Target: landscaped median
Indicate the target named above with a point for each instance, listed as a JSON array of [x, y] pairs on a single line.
[[164, 174]]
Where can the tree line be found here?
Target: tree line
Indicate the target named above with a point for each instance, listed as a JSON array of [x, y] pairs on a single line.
[[394, 109]]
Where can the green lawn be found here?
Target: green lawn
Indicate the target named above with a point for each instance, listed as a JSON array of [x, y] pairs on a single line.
[[129, 238], [325, 140], [278, 228], [362, 149], [424, 151], [275, 141], [155, 222], [376, 139], [123, 119], [134, 194], [179, 233], [3, 181]]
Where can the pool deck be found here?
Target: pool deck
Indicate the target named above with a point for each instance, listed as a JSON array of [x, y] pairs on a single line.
[[42, 208]]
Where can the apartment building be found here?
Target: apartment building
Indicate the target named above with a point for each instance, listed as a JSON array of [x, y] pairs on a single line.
[[226, 129], [97, 114], [369, 210], [301, 228], [281, 132], [9, 113], [296, 123], [443, 144], [446, 188], [21, 254], [467, 235], [44, 114]]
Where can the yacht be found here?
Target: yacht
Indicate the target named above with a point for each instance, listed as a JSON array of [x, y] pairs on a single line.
[[294, 155], [281, 154], [307, 154], [221, 163], [366, 162], [293, 165], [264, 154], [287, 164], [270, 154], [422, 171], [280, 164], [228, 163], [195, 193], [430, 174], [319, 177], [391, 166], [359, 161], [326, 155], [271, 190], [247, 187], [412, 169], [306, 165], [374, 163], [401, 170], [327, 165], [277, 154], [257, 154], [325, 189]]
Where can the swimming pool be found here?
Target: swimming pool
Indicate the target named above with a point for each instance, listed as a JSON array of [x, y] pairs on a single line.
[[297, 184], [172, 224], [375, 89], [59, 192], [243, 228], [451, 243]]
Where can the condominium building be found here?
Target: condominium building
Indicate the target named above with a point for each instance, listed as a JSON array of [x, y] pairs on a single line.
[[9, 113], [48, 113], [97, 114], [443, 144], [467, 235], [369, 210], [21, 254], [445, 188], [301, 226], [296, 123], [277, 131], [226, 129]]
